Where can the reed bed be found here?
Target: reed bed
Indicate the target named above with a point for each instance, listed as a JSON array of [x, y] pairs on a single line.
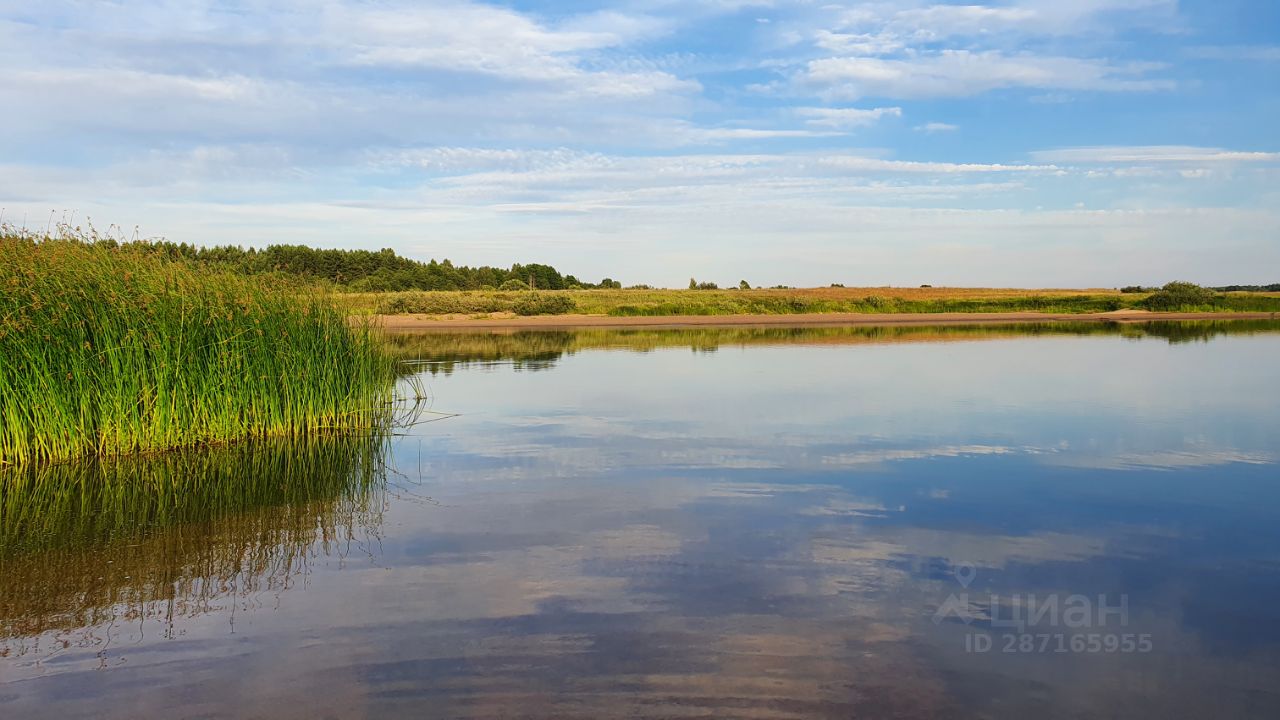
[[106, 349]]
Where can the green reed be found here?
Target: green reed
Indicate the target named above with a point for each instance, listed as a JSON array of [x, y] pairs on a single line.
[[106, 350]]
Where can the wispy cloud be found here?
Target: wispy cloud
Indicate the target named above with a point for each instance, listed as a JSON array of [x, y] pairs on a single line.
[[1151, 154], [846, 117], [961, 73], [932, 128]]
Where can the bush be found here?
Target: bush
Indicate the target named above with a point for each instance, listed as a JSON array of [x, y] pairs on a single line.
[[1130, 289], [432, 302], [1177, 295], [514, 285], [535, 303]]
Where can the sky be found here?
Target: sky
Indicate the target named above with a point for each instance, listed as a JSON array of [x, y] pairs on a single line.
[[1027, 143]]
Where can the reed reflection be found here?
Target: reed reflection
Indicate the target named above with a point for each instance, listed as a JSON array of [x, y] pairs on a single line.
[[87, 547]]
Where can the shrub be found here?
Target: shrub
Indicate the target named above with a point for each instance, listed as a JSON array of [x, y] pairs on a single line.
[[514, 285], [1131, 289], [1177, 295], [535, 303]]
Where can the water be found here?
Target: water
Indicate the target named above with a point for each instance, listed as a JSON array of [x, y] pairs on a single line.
[[746, 523]]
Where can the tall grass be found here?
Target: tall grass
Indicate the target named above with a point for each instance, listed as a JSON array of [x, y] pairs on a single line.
[[106, 350]]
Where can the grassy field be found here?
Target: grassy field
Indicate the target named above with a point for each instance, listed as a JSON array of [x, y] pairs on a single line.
[[777, 301], [105, 351]]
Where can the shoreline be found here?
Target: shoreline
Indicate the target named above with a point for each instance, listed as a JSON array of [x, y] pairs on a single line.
[[410, 323]]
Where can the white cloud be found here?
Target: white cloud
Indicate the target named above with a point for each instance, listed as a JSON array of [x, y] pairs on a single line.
[[1151, 154], [936, 127], [915, 50], [961, 73], [344, 75], [846, 117], [716, 134], [857, 43], [870, 164], [914, 22]]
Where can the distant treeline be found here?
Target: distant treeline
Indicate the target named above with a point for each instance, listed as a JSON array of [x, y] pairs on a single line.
[[369, 271], [1274, 287]]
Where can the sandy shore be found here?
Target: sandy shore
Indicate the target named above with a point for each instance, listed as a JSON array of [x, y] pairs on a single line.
[[549, 322]]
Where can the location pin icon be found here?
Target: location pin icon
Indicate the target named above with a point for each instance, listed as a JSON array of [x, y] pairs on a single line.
[[965, 573]]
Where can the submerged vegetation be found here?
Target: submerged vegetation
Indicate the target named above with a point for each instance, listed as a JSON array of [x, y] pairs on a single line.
[[109, 348]]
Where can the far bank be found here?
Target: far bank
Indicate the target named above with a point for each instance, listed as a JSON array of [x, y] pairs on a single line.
[[412, 322]]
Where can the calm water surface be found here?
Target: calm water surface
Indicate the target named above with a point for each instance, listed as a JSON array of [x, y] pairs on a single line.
[[1014, 522]]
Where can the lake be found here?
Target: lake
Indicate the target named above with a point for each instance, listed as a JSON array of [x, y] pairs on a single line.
[[1052, 521]]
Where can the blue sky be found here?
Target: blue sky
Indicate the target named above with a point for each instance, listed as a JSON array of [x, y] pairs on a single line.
[[1023, 142]]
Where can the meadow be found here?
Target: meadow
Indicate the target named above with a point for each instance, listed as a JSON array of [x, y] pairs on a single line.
[[108, 350], [659, 302]]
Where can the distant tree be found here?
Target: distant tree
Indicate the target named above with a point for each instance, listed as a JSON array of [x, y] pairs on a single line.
[[926, 286], [1132, 289], [744, 285], [610, 284], [693, 284], [837, 284]]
